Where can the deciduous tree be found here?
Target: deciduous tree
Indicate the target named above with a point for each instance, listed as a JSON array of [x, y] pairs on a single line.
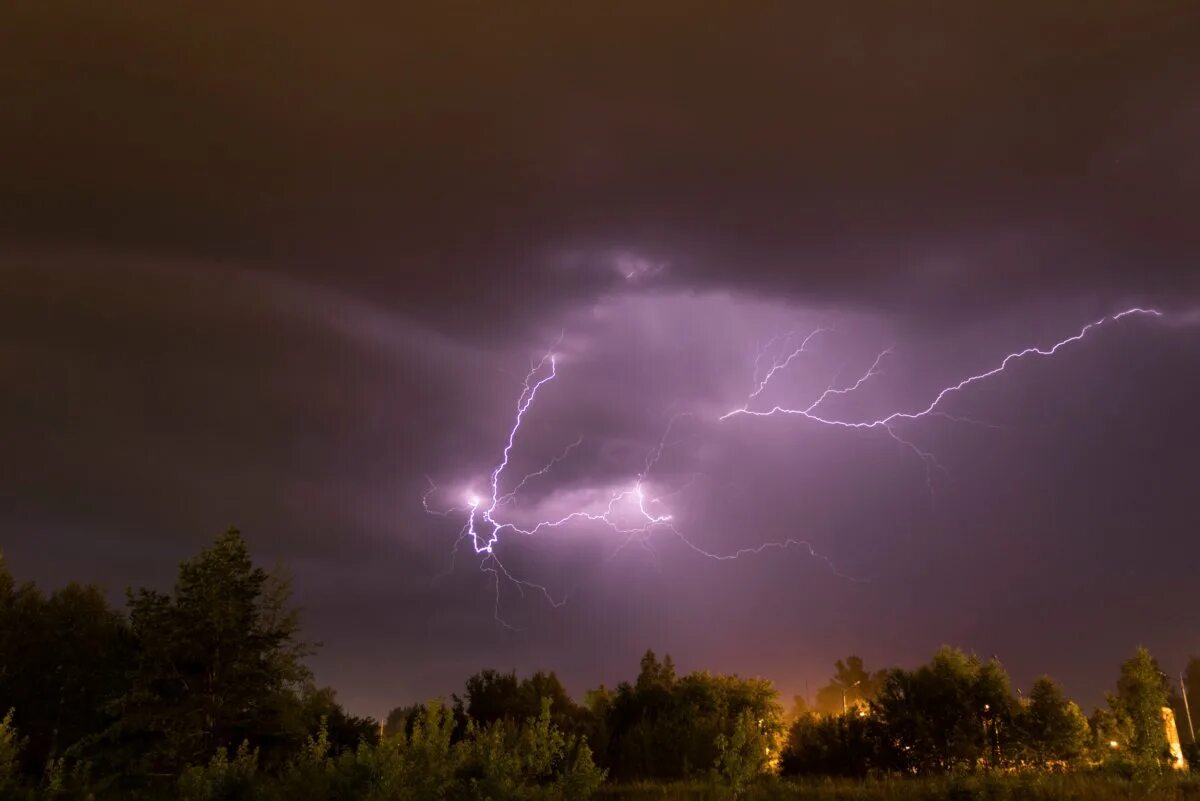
[[217, 661], [1052, 728], [1142, 692]]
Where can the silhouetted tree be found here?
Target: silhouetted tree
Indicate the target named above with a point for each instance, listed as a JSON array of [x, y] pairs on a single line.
[[831, 745], [493, 696], [11, 744], [598, 704], [667, 727], [1051, 728], [1111, 730], [743, 753], [400, 720], [64, 659], [800, 708], [203, 693], [314, 707], [217, 661], [852, 685], [955, 712], [1142, 692]]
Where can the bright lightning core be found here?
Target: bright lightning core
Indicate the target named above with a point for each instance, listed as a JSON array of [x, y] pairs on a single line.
[[628, 511], [633, 513]]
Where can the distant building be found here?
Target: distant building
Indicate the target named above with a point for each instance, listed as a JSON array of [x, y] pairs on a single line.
[[1172, 732]]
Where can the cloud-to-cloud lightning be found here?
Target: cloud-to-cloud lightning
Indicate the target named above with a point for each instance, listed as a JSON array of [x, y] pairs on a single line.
[[810, 412], [630, 510], [484, 526], [888, 422]]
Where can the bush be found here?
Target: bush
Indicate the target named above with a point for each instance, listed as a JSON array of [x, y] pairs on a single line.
[[841, 745], [223, 778], [533, 760], [10, 754], [745, 754], [506, 761]]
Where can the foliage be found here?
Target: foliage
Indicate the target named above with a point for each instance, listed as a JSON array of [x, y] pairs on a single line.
[[1142, 692], [990, 786], [851, 686], [216, 660], [202, 693], [10, 752], [954, 713], [1053, 729], [663, 726], [744, 754], [224, 778], [1111, 730], [832, 745], [800, 708], [313, 709], [530, 760], [504, 761], [492, 696], [957, 713], [64, 659]]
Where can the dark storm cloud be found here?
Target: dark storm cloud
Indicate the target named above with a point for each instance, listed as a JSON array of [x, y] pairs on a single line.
[[1074, 487], [149, 403], [134, 380], [149, 407], [935, 155], [274, 269]]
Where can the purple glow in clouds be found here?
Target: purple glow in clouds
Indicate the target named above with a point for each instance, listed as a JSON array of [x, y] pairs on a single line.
[[630, 512]]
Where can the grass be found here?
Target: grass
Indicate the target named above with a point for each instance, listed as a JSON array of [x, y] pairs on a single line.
[[980, 787]]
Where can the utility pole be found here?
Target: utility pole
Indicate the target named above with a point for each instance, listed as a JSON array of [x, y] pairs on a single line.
[[1187, 708]]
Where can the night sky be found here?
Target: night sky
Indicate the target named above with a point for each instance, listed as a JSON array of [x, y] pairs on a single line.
[[281, 267]]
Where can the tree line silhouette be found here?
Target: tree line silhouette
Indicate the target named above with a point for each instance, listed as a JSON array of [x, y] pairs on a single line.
[[203, 693]]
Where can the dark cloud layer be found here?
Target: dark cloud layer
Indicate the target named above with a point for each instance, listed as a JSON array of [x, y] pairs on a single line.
[[931, 155], [277, 268]]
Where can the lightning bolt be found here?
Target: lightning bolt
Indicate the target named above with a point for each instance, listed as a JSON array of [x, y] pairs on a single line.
[[810, 411], [511, 494], [634, 515], [779, 364], [629, 510], [888, 422], [485, 526]]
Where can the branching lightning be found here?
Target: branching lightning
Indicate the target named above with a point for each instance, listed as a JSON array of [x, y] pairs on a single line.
[[635, 513], [485, 524], [888, 422], [630, 509], [883, 422]]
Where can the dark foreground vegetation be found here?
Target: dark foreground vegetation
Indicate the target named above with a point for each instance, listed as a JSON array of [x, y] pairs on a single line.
[[203, 694], [1026, 786]]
